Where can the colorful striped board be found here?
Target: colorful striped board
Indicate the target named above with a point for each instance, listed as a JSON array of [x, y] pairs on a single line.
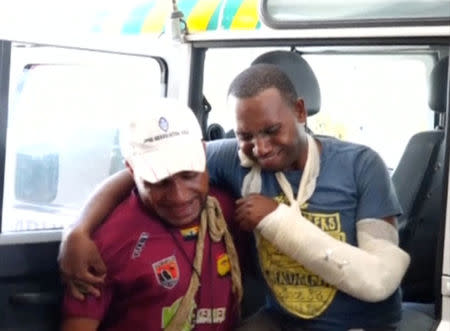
[[149, 17]]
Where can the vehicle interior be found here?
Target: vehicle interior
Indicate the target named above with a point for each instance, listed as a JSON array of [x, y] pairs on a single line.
[[61, 104], [418, 181]]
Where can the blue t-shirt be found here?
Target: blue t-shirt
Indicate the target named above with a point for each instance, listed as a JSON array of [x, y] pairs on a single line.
[[353, 184]]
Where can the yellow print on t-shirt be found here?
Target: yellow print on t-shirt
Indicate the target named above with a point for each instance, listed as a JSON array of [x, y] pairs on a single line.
[[296, 289]]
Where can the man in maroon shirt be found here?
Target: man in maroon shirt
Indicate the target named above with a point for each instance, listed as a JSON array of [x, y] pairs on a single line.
[[171, 261]]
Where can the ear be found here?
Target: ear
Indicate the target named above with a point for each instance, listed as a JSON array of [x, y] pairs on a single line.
[[300, 111], [129, 168]]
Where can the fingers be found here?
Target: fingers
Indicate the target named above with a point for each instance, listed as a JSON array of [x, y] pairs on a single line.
[[246, 199], [240, 214], [81, 266], [79, 289], [91, 278], [84, 277], [252, 209], [251, 199], [85, 288], [240, 201], [241, 217], [75, 291]]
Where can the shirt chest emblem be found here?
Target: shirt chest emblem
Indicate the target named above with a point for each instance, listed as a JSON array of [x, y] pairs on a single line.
[[140, 244], [167, 272]]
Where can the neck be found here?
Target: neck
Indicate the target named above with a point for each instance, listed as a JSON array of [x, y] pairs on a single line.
[[303, 154], [302, 151]]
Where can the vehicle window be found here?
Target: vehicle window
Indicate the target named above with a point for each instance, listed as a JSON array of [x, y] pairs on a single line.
[[377, 100], [289, 13], [62, 135]]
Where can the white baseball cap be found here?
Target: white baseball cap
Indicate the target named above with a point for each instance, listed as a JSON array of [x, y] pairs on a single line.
[[162, 139]]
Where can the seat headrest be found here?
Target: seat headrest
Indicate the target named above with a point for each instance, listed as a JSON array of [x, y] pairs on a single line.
[[300, 73], [438, 86]]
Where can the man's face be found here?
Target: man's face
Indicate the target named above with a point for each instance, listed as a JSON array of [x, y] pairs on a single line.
[[267, 129], [178, 199]]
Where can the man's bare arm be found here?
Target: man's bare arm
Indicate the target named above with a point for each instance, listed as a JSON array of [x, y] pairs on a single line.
[[80, 263]]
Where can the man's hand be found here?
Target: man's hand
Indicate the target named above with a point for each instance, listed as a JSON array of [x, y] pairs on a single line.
[[252, 209], [81, 265]]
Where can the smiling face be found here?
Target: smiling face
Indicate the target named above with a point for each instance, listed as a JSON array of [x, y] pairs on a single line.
[[267, 129], [178, 199]]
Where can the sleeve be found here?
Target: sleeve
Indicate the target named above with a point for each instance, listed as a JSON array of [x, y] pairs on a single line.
[[213, 154], [91, 307], [222, 163], [376, 193]]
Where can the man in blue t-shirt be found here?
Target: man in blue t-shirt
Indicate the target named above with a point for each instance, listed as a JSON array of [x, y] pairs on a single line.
[[344, 272], [323, 212]]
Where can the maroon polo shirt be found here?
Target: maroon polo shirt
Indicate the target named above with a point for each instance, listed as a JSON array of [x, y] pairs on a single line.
[[149, 268]]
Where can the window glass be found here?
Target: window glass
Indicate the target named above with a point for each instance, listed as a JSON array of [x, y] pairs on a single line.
[[62, 135], [326, 11], [376, 100]]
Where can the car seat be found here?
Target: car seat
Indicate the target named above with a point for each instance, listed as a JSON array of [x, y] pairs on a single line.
[[418, 180]]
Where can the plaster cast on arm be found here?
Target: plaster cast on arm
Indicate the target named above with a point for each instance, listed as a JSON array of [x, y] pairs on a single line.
[[370, 272]]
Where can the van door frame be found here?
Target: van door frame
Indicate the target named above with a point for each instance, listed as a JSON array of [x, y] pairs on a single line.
[[5, 61], [30, 290]]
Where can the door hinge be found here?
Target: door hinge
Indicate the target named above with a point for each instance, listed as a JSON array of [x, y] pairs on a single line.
[[446, 286]]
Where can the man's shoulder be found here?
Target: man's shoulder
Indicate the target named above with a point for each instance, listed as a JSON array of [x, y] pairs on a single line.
[[334, 147], [129, 210], [222, 146], [124, 225], [223, 164], [342, 145]]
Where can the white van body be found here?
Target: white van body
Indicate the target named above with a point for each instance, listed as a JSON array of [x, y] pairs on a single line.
[[63, 93]]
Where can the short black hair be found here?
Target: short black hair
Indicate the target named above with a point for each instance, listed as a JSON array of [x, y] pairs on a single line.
[[260, 77]]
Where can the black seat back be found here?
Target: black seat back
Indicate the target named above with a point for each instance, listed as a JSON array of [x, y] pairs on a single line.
[[300, 73], [418, 180]]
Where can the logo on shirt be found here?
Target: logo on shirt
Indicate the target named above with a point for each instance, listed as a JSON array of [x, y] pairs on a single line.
[[167, 272], [196, 316], [190, 233], [211, 315], [168, 313], [140, 245], [223, 264]]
